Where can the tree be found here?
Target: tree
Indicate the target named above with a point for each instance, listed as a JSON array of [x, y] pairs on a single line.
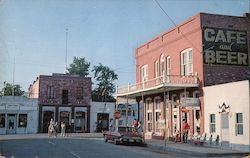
[[105, 78], [80, 66], [8, 89]]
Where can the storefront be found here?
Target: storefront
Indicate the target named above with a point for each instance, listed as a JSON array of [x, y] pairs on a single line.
[[227, 110], [173, 68], [18, 115], [102, 116]]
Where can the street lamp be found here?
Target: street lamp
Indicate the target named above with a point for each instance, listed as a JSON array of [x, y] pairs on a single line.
[[4, 87]]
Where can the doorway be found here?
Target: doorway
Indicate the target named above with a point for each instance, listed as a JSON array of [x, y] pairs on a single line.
[[12, 123], [47, 115], [80, 121], [224, 128], [102, 122]]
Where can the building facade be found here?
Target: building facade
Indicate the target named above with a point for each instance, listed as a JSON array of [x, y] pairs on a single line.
[[227, 114], [64, 98], [18, 115], [102, 116], [173, 68]]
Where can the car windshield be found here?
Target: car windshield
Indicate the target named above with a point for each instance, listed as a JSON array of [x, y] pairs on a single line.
[[124, 129]]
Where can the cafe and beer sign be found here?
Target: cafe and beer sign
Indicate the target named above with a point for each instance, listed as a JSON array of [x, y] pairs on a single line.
[[225, 47]]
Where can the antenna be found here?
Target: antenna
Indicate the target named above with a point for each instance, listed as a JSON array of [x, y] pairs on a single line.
[[66, 51], [13, 86]]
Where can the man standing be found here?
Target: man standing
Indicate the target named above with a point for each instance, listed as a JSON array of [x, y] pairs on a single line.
[[185, 129]]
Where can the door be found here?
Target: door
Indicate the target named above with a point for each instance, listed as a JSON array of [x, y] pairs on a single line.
[[11, 128], [102, 122], [47, 116], [80, 121], [224, 128]]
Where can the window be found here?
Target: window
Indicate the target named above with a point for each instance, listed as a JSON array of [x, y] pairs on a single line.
[[149, 121], [144, 73], [156, 69], [22, 120], [120, 122], [123, 112], [239, 124], [168, 65], [162, 65], [157, 114], [212, 123], [65, 97], [2, 120], [79, 93], [148, 104], [50, 92], [187, 62], [157, 104]]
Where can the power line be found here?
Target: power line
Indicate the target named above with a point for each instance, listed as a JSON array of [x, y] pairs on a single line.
[[176, 25]]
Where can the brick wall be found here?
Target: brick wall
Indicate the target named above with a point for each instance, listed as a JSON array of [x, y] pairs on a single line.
[[64, 82], [217, 74]]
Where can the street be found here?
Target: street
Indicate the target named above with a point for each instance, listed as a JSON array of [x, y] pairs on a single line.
[[75, 148]]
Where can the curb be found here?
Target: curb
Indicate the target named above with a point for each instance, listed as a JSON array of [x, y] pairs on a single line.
[[194, 153]]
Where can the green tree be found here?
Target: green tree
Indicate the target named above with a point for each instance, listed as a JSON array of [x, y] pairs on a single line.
[[80, 66], [8, 89], [105, 78]]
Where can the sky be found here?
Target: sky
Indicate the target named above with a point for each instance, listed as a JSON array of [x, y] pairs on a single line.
[[33, 32]]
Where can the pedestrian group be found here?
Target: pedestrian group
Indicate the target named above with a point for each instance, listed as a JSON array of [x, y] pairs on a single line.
[[53, 128]]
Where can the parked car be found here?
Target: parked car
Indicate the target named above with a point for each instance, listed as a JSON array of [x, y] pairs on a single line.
[[123, 135]]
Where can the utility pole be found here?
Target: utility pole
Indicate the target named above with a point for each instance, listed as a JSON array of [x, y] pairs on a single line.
[[66, 51], [13, 86]]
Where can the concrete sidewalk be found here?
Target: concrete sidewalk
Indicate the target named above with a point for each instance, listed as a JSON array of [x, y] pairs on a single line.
[[193, 150], [45, 135]]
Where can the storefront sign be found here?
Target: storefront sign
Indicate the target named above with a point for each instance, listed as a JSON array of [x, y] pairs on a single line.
[[190, 102], [12, 107], [225, 47]]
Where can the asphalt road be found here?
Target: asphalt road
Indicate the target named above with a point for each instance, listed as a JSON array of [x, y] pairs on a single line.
[[75, 148]]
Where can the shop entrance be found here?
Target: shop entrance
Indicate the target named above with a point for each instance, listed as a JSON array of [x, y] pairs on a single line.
[[47, 115], [11, 125], [102, 122], [80, 121]]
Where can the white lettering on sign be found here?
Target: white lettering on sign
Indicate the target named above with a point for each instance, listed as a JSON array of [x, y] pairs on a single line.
[[225, 47], [224, 57], [225, 36]]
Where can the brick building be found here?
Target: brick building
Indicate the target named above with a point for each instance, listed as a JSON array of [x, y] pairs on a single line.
[[173, 68], [64, 98]]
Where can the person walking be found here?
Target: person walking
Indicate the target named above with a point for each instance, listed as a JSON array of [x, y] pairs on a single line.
[[134, 125], [63, 128], [185, 129]]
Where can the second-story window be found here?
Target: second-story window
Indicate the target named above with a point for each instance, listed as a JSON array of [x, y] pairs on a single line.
[[162, 65], [79, 93], [50, 92], [156, 69], [187, 62], [65, 96], [168, 65], [144, 73]]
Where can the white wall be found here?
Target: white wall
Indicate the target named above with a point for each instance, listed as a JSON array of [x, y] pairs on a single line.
[[236, 95], [99, 107], [22, 105]]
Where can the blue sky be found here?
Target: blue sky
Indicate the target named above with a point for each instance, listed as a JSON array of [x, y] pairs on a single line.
[[102, 31]]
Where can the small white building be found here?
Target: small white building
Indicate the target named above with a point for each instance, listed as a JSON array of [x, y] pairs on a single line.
[[18, 115], [227, 110], [101, 116], [129, 112]]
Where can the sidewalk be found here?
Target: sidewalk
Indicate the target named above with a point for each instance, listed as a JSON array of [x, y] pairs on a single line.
[[45, 135], [192, 150]]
